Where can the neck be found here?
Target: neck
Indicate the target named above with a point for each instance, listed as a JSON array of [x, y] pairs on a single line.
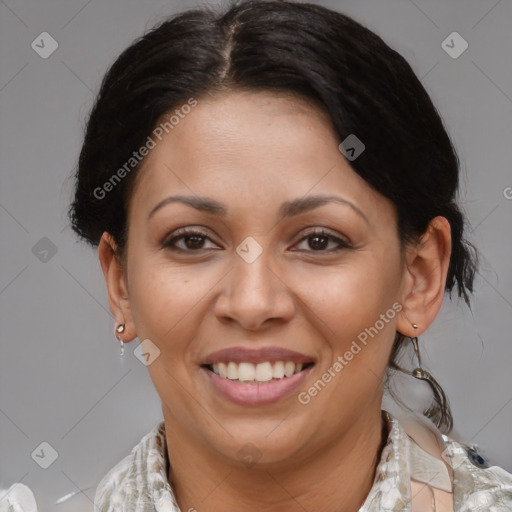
[[337, 478]]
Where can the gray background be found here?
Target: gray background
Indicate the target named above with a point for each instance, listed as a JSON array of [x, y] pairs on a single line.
[[61, 378]]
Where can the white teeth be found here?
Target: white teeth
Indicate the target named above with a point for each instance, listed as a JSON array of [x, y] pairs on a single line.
[[289, 368], [232, 371], [261, 372], [278, 372], [246, 371], [223, 370]]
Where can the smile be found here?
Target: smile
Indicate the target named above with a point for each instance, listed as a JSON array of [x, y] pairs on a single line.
[[249, 373], [253, 377]]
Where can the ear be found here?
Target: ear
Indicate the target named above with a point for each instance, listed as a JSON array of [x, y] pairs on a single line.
[[424, 279], [117, 289]]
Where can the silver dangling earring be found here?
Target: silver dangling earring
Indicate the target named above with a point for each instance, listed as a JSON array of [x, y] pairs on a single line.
[[438, 411], [119, 330]]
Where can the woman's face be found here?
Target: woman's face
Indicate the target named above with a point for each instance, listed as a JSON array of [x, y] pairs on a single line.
[[274, 276]]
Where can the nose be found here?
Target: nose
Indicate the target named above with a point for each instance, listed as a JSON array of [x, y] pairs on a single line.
[[254, 295]]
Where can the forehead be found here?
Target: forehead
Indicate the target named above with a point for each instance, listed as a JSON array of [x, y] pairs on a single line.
[[229, 127], [262, 145]]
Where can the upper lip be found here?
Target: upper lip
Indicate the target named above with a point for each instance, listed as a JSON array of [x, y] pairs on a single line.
[[256, 355]]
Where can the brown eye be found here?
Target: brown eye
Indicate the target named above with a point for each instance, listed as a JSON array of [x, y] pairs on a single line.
[[323, 241], [187, 241], [193, 241], [318, 242]]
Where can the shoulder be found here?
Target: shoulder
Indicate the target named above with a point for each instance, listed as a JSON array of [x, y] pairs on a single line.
[[18, 498], [477, 484], [129, 482]]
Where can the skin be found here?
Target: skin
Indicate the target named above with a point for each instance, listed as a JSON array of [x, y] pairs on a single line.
[[252, 151]]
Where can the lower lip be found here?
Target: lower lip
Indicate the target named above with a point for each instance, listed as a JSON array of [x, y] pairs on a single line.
[[256, 394]]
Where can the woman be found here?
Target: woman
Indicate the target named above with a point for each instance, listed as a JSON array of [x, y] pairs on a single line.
[[272, 194]]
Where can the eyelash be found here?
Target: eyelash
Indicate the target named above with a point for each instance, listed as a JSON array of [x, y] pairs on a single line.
[[186, 232]]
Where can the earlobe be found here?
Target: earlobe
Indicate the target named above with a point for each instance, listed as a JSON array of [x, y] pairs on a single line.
[[115, 281], [424, 280]]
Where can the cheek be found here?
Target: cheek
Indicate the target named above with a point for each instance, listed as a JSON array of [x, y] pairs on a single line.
[[164, 303], [351, 297], [355, 310], [163, 297]]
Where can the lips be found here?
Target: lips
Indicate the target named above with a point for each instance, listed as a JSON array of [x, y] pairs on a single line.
[[256, 376], [257, 355]]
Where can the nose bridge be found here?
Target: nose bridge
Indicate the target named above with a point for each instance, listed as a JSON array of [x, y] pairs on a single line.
[[253, 292], [252, 280]]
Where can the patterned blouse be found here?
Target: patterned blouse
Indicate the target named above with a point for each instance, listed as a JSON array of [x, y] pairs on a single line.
[[408, 478]]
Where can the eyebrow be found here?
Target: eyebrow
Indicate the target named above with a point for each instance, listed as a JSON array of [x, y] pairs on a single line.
[[287, 209]]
